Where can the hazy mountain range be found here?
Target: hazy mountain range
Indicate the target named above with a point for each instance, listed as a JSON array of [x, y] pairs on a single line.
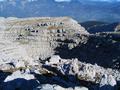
[[81, 10]]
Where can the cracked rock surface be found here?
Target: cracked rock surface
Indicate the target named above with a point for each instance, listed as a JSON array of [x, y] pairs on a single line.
[[51, 53]]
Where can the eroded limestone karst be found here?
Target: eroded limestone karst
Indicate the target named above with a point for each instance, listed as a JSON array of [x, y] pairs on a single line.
[[37, 37], [58, 50]]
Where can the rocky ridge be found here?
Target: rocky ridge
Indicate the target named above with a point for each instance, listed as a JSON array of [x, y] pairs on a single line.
[[52, 52], [97, 26]]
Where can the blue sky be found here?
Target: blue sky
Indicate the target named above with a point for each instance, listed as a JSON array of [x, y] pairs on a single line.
[[63, 0], [85, 0], [89, 0]]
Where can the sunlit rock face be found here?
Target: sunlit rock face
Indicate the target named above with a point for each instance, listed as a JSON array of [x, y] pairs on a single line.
[[66, 74], [117, 29], [32, 39], [85, 71], [56, 52], [27, 41]]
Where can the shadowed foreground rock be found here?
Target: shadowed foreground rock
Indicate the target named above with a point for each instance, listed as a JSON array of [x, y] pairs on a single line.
[[65, 72]]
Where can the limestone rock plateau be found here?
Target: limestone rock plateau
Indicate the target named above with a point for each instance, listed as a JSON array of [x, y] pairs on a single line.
[[53, 53]]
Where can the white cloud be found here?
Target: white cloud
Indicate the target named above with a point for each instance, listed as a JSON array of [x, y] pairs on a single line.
[[89, 0], [63, 0]]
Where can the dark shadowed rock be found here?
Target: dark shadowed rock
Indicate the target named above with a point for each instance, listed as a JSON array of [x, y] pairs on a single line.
[[96, 27]]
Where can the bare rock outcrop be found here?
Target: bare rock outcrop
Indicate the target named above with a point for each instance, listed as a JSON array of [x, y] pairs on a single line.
[[66, 72], [105, 78], [36, 37], [59, 53], [117, 29]]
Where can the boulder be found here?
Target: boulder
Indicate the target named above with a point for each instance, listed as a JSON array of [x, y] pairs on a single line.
[[54, 59], [108, 82]]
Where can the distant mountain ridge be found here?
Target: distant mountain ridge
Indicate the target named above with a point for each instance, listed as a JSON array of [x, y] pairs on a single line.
[[79, 10], [97, 26]]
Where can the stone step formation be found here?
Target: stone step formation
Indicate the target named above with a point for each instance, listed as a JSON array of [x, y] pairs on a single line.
[[39, 35]]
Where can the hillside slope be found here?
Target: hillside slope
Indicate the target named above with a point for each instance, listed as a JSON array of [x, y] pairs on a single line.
[[56, 52]]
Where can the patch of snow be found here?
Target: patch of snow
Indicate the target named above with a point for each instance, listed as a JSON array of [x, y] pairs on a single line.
[[57, 87], [19, 74], [54, 59], [47, 87], [20, 80], [81, 88]]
